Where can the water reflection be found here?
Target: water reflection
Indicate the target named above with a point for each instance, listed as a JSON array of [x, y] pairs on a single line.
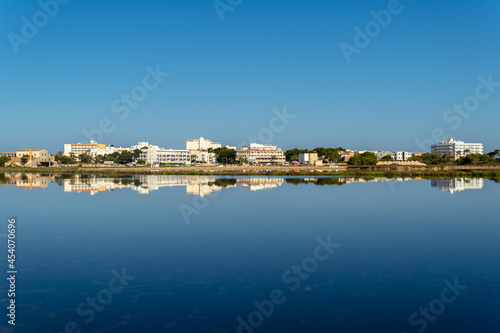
[[453, 185], [204, 185]]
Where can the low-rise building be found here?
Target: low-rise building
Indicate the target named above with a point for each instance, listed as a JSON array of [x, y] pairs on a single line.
[[155, 155], [82, 148], [256, 153], [456, 148], [382, 153], [34, 157], [202, 144], [402, 155], [308, 159], [8, 154]]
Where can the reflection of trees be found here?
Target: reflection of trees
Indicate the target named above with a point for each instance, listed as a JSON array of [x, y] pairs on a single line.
[[224, 182], [316, 181]]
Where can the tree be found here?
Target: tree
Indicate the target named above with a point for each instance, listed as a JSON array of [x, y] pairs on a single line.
[[365, 158], [495, 153], [24, 159], [225, 155], [387, 158], [431, 158], [3, 160], [476, 159], [85, 158], [293, 154], [141, 161]]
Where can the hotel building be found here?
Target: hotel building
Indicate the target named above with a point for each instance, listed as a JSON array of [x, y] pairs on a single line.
[[456, 148], [256, 153]]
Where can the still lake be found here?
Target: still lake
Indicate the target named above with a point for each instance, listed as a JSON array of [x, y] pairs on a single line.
[[156, 253]]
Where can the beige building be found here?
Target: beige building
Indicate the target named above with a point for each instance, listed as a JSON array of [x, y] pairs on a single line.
[[82, 148], [201, 144], [310, 159], [36, 157], [256, 153]]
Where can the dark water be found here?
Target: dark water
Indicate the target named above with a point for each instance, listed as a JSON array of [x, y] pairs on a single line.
[[194, 254]]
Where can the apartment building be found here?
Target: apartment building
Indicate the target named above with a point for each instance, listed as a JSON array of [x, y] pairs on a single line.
[[309, 159], [201, 144], [402, 155], [82, 148], [155, 155], [256, 153], [456, 148]]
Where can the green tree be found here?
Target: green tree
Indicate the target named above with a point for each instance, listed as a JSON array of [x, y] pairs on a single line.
[[3, 160], [24, 159], [476, 159], [85, 158], [224, 155], [365, 158], [387, 158], [141, 161]]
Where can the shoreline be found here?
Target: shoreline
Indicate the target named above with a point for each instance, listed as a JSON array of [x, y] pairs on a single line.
[[447, 171]]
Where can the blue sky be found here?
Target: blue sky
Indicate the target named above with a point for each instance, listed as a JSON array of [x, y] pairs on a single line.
[[226, 76]]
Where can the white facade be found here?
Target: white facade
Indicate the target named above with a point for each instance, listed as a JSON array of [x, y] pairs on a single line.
[[202, 144], [155, 155], [456, 148], [402, 155], [203, 156], [382, 153], [81, 148], [308, 158], [260, 153]]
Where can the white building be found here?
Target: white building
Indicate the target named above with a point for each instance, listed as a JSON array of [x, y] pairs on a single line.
[[198, 149], [201, 144], [456, 148], [402, 155], [308, 158], [82, 148], [155, 155], [256, 153], [382, 153]]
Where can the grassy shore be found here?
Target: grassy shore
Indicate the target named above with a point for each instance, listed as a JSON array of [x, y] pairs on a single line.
[[448, 171]]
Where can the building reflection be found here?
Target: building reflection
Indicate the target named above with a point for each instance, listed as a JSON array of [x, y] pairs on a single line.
[[142, 184], [203, 185], [453, 185], [28, 181]]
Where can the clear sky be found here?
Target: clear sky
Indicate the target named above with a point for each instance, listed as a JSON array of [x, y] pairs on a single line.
[[226, 76]]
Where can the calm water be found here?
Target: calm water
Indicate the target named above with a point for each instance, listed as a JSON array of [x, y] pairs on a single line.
[[194, 254]]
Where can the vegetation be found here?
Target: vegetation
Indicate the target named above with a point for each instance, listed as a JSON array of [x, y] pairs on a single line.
[[431, 158], [224, 155], [366, 158], [3, 160], [24, 159], [327, 155], [387, 158]]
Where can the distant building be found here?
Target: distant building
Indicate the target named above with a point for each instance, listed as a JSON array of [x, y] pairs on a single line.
[[345, 156], [82, 148], [198, 150], [456, 148], [155, 155], [8, 154], [309, 159], [35, 157], [402, 155], [382, 153], [202, 144], [256, 153]]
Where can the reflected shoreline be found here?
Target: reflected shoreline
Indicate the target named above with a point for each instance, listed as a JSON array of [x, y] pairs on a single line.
[[205, 185]]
